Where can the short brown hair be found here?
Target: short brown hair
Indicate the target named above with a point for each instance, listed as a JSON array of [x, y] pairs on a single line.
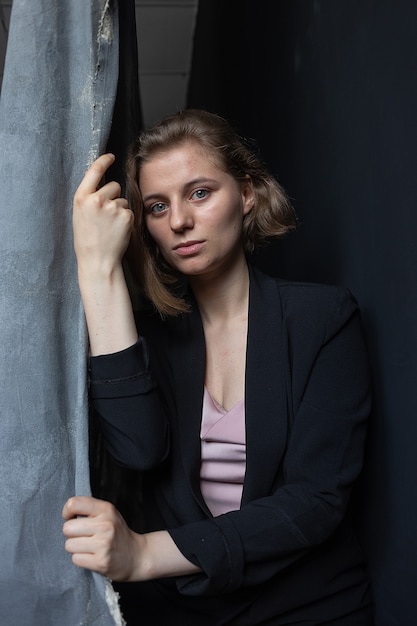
[[272, 215]]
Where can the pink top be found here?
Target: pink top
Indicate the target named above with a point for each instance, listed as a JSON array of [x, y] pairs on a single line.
[[223, 455]]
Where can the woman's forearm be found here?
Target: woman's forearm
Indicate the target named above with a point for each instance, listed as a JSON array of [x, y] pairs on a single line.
[[159, 557], [108, 311]]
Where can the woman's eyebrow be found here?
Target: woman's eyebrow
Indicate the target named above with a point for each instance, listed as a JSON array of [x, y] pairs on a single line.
[[201, 180], [151, 196]]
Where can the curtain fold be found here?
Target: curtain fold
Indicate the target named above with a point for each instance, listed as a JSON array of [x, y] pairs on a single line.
[[58, 94]]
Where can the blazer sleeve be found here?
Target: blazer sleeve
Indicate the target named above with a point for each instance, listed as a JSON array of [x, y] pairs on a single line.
[[126, 401], [323, 458]]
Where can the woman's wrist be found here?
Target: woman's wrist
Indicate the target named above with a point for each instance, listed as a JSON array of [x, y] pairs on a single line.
[[157, 556], [100, 272]]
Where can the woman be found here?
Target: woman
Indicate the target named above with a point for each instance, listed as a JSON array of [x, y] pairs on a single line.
[[243, 399]]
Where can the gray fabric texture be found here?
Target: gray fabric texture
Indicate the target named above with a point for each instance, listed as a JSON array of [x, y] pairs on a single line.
[[56, 105]]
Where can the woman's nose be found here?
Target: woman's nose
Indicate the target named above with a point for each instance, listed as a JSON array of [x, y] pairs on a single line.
[[180, 217]]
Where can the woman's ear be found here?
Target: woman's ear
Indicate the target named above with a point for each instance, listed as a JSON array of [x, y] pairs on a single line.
[[248, 194]]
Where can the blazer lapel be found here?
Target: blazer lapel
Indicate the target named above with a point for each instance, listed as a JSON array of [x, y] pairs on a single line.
[[266, 385], [189, 358]]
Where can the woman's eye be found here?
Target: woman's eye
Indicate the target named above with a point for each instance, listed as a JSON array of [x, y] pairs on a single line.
[[158, 207], [199, 194]]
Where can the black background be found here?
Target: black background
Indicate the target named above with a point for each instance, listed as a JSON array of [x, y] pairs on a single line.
[[328, 88]]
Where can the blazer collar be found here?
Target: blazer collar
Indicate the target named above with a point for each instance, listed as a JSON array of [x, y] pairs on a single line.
[[265, 395]]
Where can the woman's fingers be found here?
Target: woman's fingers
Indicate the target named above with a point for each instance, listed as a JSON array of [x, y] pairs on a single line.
[[98, 538], [109, 191], [94, 174], [85, 506], [89, 561], [90, 527], [102, 221], [90, 184]]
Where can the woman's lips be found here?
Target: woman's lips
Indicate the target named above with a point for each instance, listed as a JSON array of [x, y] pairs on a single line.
[[188, 248]]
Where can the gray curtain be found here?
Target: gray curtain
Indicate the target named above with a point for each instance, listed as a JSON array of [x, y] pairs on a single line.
[[57, 99]]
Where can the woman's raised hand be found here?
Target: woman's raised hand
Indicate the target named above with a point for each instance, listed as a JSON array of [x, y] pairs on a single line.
[[102, 221]]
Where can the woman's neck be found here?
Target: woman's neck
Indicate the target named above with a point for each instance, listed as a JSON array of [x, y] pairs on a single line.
[[223, 298]]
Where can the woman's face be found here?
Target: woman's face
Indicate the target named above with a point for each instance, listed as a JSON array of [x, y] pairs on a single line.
[[194, 210]]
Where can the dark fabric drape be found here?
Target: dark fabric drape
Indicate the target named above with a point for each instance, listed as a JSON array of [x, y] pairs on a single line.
[[328, 89], [57, 104], [127, 116]]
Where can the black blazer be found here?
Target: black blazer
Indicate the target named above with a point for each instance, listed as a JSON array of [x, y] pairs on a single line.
[[290, 549]]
